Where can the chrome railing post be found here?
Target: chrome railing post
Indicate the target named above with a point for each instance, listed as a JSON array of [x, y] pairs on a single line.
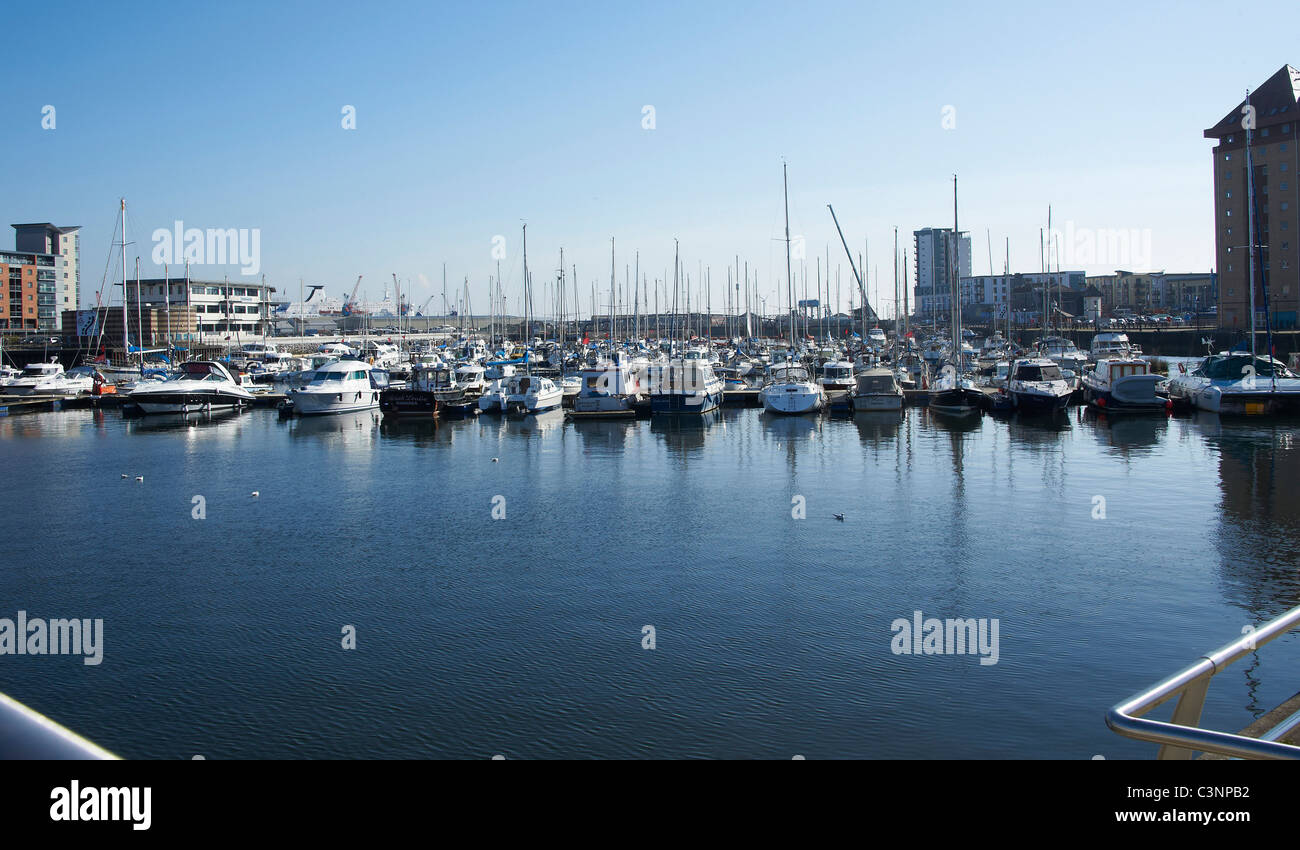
[[1186, 713]]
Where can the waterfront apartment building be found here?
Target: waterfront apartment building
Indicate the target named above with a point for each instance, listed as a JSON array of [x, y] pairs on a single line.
[[933, 290], [31, 299], [62, 242], [1275, 106], [219, 307], [986, 296], [1143, 293]]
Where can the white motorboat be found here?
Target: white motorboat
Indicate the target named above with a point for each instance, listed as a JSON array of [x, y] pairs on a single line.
[[532, 394], [1062, 352], [1108, 345], [790, 390], [608, 391], [1230, 383], [342, 386], [1037, 385], [1124, 384], [47, 381], [836, 375], [199, 385]]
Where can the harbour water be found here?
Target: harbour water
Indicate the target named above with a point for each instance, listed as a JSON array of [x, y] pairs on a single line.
[[524, 636]]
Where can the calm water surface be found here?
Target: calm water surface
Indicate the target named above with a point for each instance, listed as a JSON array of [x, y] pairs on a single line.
[[522, 636]]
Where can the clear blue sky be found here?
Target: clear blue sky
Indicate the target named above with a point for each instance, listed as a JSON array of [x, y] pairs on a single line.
[[471, 121]]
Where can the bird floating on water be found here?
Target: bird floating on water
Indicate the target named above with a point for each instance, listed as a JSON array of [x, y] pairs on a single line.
[[255, 494], [139, 478], [495, 459], [839, 517]]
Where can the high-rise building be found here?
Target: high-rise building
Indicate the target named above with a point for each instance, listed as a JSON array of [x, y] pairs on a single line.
[[933, 289], [65, 242], [1272, 111], [32, 278]]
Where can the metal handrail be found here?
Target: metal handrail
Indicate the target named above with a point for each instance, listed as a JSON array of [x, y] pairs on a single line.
[[1181, 737], [28, 734]]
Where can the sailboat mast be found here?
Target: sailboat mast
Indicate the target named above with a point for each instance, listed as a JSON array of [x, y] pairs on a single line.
[[126, 343], [789, 281], [1250, 231], [139, 316], [956, 270]]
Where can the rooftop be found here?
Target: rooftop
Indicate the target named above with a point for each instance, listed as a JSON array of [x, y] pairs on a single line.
[[1277, 101]]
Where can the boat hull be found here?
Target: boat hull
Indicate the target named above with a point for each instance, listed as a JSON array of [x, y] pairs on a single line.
[[955, 402], [1040, 402], [686, 404], [186, 402], [324, 404], [878, 401]]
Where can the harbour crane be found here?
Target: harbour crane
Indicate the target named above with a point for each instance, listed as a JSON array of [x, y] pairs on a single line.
[[350, 305]]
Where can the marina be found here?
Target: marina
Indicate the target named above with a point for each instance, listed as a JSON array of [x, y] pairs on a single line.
[[773, 632], [532, 382]]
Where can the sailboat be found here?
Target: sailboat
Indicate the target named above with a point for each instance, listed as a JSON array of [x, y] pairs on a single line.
[[951, 393], [790, 389]]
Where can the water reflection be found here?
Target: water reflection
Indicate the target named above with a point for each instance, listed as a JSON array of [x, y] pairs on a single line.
[[1127, 435], [341, 430], [685, 435], [1258, 538], [214, 420], [608, 436], [878, 426], [420, 431]]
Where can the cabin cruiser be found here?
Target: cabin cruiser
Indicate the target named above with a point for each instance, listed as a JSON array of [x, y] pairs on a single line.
[[1230, 383], [49, 382], [1062, 352], [382, 355], [877, 389], [532, 394], [1124, 384], [688, 386], [435, 390], [197, 385], [912, 370], [790, 390], [836, 375], [1112, 345], [493, 398], [993, 348], [36, 375], [471, 377], [1036, 384], [609, 391], [343, 386], [876, 337], [338, 351]]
